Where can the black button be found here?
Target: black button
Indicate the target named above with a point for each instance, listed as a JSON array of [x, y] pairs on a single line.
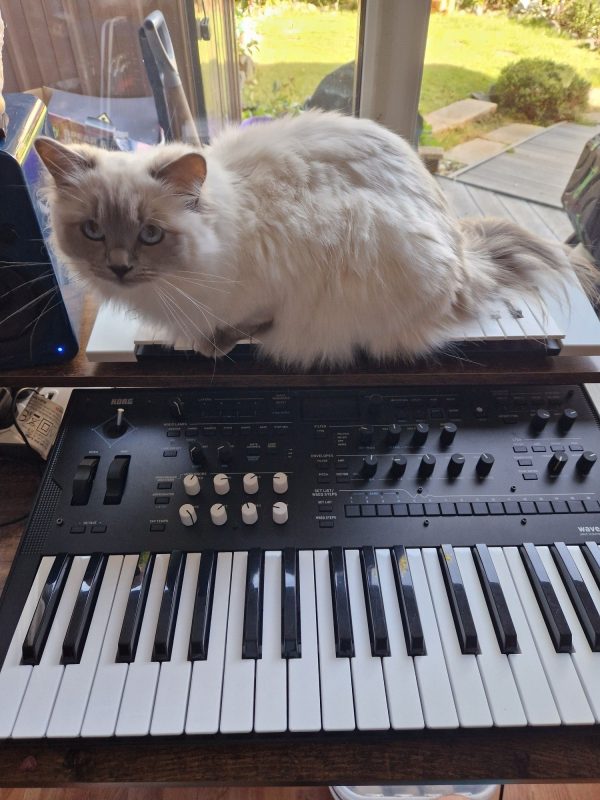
[[352, 511], [591, 506], [495, 508], [575, 506], [157, 526], [557, 448], [480, 509], [191, 432], [576, 448], [510, 507], [174, 433], [342, 477], [400, 509], [543, 507], [538, 448], [209, 430], [432, 509], [367, 511], [169, 453], [525, 462], [530, 476], [164, 485], [416, 510], [162, 500], [448, 509], [77, 528], [384, 510], [326, 523], [560, 507], [519, 448], [463, 509], [528, 507], [98, 528], [327, 507], [323, 477]]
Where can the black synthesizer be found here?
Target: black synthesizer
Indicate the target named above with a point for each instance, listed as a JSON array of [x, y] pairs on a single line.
[[237, 561]]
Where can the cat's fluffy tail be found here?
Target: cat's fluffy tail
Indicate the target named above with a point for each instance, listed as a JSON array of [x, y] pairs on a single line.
[[504, 259]]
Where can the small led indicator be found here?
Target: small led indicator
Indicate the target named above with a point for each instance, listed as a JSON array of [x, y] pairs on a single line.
[[60, 349]]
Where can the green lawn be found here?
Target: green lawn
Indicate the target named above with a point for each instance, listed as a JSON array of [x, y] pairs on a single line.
[[465, 53]]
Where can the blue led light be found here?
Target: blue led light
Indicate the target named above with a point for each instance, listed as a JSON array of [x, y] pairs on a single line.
[[60, 349]]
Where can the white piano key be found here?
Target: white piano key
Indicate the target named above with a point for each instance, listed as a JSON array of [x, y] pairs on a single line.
[[526, 666], [528, 324], [498, 680], [270, 710], [38, 700], [403, 701], [552, 330], [437, 701], [204, 705], [337, 707], [137, 702], [566, 687], [506, 321], [488, 319], [469, 695], [237, 704], [469, 331], [304, 702], [370, 703], [75, 687], [14, 676], [107, 689], [170, 705]]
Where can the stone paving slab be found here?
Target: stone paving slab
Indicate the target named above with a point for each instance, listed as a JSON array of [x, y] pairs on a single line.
[[459, 113], [474, 150], [509, 134]]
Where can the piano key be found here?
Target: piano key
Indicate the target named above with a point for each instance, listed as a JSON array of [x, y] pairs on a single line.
[[38, 700], [134, 613], [205, 587], [237, 705], [14, 675], [370, 704], [204, 704], [378, 633], [342, 620], [489, 324], [167, 617], [508, 324], [77, 631], [304, 702], [404, 704], [591, 553], [170, 704], [579, 594], [413, 630], [253, 604], [270, 706], [534, 691], [546, 598], [76, 685], [291, 646], [467, 688], [135, 712], [527, 322], [551, 329], [495, 601], [498, 680], [437, 701], [566, 687], [457, 598], [39, 629], [337, 707]]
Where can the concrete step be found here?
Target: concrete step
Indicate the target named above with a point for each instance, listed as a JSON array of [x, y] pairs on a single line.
[[474, 150], [510, 134], [460, 113]]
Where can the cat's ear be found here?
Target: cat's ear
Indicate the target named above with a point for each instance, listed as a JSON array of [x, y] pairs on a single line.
[[186, 174], [61, 162]]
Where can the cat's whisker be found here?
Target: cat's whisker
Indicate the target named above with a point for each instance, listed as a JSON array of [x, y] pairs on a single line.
[[203, 284], [43, 277], [207, 275], [27, 305]]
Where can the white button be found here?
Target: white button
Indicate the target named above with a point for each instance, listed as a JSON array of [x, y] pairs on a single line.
[[218, 514], [280, 483], [250, 483], [280, 513], [191, 485], [187, 514], [249, 513], [221, 483]]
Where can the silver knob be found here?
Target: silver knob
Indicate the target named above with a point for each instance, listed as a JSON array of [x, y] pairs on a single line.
[[191, 485], [218, 514], [280, 513], [250, 483], [249, 513], [187, 514], [221, 483], [280, 483]]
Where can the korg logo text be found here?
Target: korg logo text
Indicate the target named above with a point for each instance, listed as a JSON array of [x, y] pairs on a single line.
[[589, 529], [122, 401]]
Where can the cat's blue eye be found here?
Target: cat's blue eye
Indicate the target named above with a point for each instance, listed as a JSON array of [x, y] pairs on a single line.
[[92, 230], [151, 234]]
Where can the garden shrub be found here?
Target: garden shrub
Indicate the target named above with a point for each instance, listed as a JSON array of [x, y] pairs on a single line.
[[541, 90], [580, 17]]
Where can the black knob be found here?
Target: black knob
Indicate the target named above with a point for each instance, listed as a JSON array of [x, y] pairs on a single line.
[[197, 455], [427, 466], [557, 463], [484, 465], [420, 434], [375, 405], [567, 419], [447, 434], [365, 435], [398, 467], [225, 454], [539, 419], [369, 466], [392, 436], [176, 408], [455, 465], [586, 462]]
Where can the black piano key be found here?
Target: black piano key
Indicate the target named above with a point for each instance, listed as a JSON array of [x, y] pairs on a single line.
[[459, 603], [496, 602], [578, 593], [205, 589], [557, 625], [591, 553], [134, 611], [378, 632], [79, 624], [43, 616], [291, 645], [342, 619], [169, 605], [253, 604], [413, 630]]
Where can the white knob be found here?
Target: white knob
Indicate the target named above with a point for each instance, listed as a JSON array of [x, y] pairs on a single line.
[[187, 514], [191, 484], [280, 513], [218, 514], [249, 513], [250, 483], [280, 483], [221, 483]]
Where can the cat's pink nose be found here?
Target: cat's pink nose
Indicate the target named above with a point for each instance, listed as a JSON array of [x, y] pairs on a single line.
[[120, 270]]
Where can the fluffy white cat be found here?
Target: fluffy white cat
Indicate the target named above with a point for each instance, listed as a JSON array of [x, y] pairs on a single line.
[[322, 235]]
